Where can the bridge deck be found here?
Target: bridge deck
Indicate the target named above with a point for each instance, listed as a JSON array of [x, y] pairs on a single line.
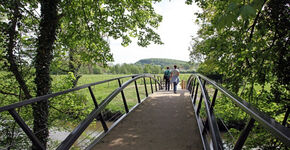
[[165, 121]]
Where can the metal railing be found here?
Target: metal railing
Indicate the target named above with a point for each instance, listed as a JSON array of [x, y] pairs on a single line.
[[209, 129], [96, 113]]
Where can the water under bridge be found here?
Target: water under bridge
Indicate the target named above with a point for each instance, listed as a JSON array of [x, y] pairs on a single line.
[[160, 120]]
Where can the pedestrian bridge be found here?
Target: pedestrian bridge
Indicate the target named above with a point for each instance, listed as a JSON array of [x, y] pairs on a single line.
[[158, 120], [165, 121]]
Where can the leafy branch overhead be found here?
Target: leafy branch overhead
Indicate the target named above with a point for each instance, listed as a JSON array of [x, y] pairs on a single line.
[[247, 42], [87, 26], [38, 34]]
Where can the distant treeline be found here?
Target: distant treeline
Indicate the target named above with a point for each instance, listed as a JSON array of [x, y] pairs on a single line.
[[152, 65], [163, 62], [115, 69]]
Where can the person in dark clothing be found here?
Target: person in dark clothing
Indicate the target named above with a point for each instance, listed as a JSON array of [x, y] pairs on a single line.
[[167, 74]]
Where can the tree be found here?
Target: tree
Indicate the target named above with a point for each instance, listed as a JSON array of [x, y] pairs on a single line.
[[248, 41], [64, 27], [147, 68]]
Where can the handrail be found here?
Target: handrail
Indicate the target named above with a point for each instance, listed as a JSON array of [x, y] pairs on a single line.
[[45, 97], [68, 142], [281, 132]]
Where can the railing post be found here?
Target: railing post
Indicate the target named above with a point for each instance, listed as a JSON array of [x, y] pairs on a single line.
[[146, 92], [199, 104], [26, 129], [137, 91], [160, 85], [189, 86], [100, 116], [196, 91], [286, 117], [123, 97], [151, 85], [192, 89], [213, 99], [145, 86], [155, 83], [244, 134], [200, 100], [159, 82], [189, 78]]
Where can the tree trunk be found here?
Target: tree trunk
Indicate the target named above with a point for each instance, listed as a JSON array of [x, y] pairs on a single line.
[[47, 36], [90, 68]]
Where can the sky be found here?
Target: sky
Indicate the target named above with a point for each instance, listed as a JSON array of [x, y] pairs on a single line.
[[176, 31]]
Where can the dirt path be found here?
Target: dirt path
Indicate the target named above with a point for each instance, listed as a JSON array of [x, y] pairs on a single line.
[[165, 121]]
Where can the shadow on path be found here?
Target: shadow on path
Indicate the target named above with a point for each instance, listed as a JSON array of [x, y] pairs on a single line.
[[165, 121]]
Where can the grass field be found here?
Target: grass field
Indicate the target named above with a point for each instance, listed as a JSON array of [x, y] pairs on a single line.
[[101, 91]]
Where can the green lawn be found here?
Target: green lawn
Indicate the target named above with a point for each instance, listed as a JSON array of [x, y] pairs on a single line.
[[101, 91]]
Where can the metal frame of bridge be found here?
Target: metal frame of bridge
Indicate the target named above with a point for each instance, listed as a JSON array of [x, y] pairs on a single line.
[[95, 114], [209, 127]]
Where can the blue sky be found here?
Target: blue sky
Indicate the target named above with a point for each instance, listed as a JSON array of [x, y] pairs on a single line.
[[176, 31]]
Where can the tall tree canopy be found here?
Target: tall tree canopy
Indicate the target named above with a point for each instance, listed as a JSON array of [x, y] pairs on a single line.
[[36, 33], [247, 41]]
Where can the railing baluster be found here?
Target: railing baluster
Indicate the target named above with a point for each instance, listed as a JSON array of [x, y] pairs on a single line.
[[155, 83], [100, 116], [26, 129], [137, 91], [211, 109], [199, 104], [195, 95], [200, 100], [286, 116], [123, 97], [213, 99], [189, 79], [212, 123], [192, 93], [145, 86], [189, 86], [244, 134], [151, 85]]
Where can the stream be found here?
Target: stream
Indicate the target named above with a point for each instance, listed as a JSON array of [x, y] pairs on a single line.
[[58, 135]]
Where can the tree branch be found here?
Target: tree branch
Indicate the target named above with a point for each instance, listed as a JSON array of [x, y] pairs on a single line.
[[11, 32], [255, 22], [7, 93]]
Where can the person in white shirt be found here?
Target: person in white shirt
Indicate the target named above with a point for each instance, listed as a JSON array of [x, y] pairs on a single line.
[[175, 78]]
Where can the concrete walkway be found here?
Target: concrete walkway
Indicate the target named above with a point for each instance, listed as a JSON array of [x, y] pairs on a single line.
[[165, 121]]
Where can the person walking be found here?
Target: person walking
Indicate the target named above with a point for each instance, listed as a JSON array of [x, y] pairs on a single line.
[[166, 77], [175, 78]]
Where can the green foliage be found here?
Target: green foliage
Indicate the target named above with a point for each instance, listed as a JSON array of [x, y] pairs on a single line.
[[247, 42], [64, 35]]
